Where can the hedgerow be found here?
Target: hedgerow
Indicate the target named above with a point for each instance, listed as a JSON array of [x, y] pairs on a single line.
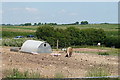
[[71, 36]]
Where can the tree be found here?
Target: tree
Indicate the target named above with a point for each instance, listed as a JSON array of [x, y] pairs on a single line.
[[39, 24], [84, 22], [35, 24], [73, 34], [44, 31], [77, 23], [27, 24], [93, 36]]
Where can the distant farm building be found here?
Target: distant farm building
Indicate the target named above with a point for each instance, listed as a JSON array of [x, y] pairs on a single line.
[[32, 46]]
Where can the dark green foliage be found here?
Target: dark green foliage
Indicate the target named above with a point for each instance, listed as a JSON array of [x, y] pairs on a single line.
[[76, 23], [27, 24], [10, 34], [92, 36], [35, 24], [46, 33], [71, 36], [113, 41], [43, 32], [84, 22], [51, 35], [51, 23], [62, 36], [39, 23], [103, 53]]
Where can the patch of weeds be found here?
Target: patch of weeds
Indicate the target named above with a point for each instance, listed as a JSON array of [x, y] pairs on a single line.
[[59, 75], [103, 53], [97, 72], [15, 73]]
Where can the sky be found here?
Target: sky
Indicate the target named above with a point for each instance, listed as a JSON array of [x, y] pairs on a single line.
[[59, 12]]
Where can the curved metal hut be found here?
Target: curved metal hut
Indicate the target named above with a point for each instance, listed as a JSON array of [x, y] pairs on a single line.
[[33, 46]]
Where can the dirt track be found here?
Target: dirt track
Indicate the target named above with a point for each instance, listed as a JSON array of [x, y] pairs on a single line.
[[76, 66]]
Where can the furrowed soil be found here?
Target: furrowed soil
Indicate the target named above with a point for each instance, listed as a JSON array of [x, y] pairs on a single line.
[[47, 65]]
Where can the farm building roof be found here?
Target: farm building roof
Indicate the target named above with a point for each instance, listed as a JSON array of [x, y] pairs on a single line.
[[33, 46]]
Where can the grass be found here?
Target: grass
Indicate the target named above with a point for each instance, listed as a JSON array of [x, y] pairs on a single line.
[[103, 53], [97, 72], [59, 75], [20, 27], [106, 27], [15, 73], [110, 51]]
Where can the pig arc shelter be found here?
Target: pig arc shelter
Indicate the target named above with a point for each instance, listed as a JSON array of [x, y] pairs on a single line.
[[33, 46]]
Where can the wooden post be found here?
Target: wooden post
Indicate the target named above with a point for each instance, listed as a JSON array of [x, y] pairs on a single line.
[[57, 44]]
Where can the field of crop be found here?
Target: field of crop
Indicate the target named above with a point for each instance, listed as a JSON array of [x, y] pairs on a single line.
[[110, 29]]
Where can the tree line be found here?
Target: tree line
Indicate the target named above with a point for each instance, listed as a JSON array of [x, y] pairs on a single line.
[[70, 36], [39, 23]]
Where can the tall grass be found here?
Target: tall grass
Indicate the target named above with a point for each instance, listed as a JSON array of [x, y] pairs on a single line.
[[15, 42], [15, 73], [59, 75], [97, 72]]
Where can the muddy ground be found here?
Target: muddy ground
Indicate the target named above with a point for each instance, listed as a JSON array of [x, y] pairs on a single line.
[[74, 67]]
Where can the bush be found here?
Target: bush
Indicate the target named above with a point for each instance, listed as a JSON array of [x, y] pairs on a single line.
[[71, 36], [113, 42], [45, 31], [84, 22], [11, 34], [51, 35], [92, 36]]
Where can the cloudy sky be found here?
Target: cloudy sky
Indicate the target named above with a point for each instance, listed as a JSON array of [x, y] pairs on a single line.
[[59, 12]]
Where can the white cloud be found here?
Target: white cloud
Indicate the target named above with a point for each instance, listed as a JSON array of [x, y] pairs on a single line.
[[31, 9]]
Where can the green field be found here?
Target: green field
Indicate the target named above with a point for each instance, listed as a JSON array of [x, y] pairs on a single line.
[[110, 29]]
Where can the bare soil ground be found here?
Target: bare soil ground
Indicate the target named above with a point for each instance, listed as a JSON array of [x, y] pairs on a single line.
[[74, 67]]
